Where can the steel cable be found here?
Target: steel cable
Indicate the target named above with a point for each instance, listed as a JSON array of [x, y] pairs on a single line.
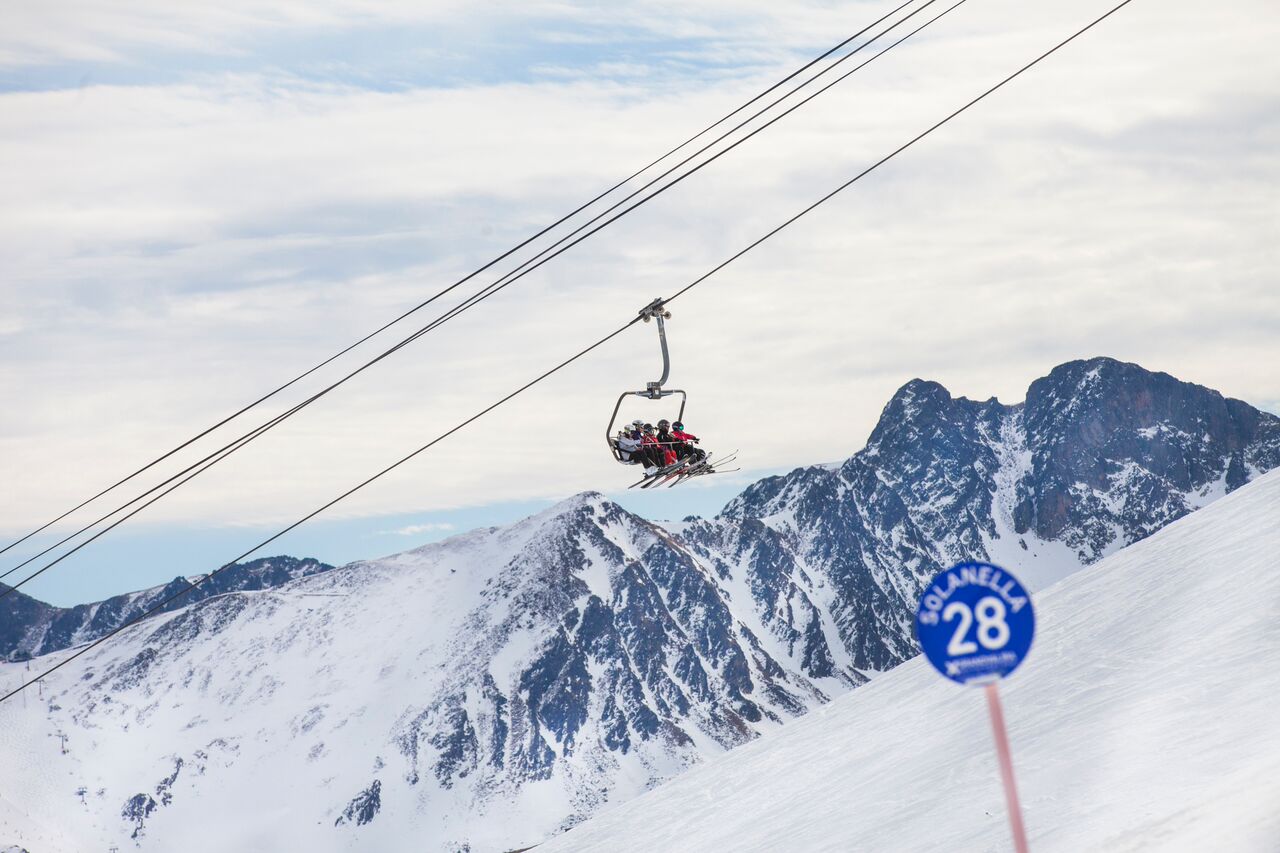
[[156, 608]]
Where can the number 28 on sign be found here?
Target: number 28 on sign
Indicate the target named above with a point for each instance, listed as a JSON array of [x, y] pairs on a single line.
[[975, 623]]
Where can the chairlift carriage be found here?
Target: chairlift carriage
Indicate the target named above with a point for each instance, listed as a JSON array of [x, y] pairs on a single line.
[[653, 390], [687, 467]]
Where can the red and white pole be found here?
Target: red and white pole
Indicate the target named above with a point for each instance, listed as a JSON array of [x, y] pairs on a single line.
[[1006, 768]]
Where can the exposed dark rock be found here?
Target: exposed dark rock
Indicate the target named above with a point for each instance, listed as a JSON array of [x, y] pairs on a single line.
[[30, 627], [363, 807], [136, 811]]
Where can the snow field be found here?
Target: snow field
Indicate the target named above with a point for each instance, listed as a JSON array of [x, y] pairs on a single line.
[[1143, 720]]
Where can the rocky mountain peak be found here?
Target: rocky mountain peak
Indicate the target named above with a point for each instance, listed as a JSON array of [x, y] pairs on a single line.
[[922, 413], [1111, 438], [578, 507], [502, 684], [1101, 454]]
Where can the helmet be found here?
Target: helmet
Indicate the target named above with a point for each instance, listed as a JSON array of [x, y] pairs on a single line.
[[664, 424], [637, 423], [648, 427], [678, 425]]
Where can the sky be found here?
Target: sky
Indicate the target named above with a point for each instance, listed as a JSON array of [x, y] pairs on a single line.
[[203, 200]]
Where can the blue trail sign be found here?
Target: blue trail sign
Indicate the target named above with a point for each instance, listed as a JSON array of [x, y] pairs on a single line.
[[975, 623]]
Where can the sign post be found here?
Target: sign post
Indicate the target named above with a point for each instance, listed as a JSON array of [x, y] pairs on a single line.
[[975, 623]]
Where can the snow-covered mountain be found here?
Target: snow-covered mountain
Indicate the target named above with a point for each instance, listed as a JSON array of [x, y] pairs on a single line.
[[487, 691], [31, 627], [484, 691], [1143, 719], [1100, 455]]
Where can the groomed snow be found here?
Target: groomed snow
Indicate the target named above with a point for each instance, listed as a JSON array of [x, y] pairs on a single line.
[[1143, 720]]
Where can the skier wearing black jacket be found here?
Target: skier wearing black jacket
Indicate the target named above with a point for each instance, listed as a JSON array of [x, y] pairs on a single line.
[[680, 448]]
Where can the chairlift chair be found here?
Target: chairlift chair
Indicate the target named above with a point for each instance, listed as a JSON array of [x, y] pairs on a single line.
[[655, 310]]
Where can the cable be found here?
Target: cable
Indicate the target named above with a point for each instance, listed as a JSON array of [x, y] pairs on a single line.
[[501, 283], [451, 287], [200, 466], [897, 151], [204, 464], [581, 353], [157, 607], [517, 272]]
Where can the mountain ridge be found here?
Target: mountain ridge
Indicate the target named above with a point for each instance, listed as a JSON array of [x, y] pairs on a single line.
[[499, 686], [30, 627], [1121, 738]]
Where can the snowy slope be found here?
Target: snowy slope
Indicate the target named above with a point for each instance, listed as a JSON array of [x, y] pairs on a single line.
[[1143, 720], [488, 690], [1101, 454]]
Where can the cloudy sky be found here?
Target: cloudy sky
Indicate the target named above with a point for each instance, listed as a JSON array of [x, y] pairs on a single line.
[[201, 200]]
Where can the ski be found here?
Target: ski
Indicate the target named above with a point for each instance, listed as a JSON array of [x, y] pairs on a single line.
[[664, 479], [671, 471], [702, 468], [648, 479], [723, 460], [690, 470], [638, 482], [703, 474], [681, 469]]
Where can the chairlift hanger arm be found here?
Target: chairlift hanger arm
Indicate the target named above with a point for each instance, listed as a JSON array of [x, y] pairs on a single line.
[[657, 310]]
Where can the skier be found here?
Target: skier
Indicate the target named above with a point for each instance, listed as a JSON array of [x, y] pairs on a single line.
[[649, 454], [628, 447], [669, 442], [685, 442], [631, 448], [661, 450]]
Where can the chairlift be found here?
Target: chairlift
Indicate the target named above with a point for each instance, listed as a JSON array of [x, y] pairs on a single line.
[[696, 465], [655, 310]]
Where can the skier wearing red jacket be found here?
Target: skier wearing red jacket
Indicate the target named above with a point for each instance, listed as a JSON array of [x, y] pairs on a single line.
[[686, 442], [651, 440]]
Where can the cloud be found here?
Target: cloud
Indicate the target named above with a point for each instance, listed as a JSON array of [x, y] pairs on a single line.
[[90, 30], [418, 529], [172, 33], [172, 248]]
